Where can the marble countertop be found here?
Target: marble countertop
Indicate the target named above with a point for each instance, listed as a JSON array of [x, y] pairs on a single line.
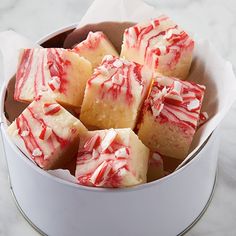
[[214, 20]]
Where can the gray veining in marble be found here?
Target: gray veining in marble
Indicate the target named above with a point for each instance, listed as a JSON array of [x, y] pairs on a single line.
[[214, 20]]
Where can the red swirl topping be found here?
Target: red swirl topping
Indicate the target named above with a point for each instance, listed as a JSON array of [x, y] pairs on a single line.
[[30, 141], [57, 64], [40, 69], [51, 108], [92, 41], [118, 76], [23, 71], [40, 140], [157, 38], [173, 100], [102, 161]]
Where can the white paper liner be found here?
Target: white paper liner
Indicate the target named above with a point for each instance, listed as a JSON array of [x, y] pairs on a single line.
[[208, 67], [118, 10], [217, 75]]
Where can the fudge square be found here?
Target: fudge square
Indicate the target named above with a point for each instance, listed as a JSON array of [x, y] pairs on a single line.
[[60, 71], [115, 93], [47, 133], [170, 116], [95, 47], [161, 44], [111, 158]]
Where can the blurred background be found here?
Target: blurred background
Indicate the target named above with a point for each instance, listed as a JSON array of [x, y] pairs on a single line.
[[209, 19]]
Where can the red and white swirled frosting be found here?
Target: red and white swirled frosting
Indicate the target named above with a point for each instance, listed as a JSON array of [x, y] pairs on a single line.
[[173, 100], [159, 42], [44, 130], [102, 161], [92, 41], [121, 78], [40, 70]]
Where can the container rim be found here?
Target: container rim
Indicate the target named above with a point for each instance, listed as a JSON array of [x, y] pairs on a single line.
[[68, 183], [56, 32]]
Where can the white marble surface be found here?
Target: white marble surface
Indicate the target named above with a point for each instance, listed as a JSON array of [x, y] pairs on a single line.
[[214, 20]]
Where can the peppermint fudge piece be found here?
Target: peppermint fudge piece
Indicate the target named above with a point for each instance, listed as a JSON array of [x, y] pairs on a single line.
[[95, 47], [161, 44], [112, 158], [61, 72], [47, 133], [115, 93], [155, 167], [170, 116]]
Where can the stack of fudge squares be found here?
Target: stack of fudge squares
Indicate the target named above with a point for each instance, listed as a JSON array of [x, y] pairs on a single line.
[[134, 108]]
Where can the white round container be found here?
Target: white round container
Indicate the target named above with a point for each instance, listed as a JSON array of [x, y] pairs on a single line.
[[55, 207]]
